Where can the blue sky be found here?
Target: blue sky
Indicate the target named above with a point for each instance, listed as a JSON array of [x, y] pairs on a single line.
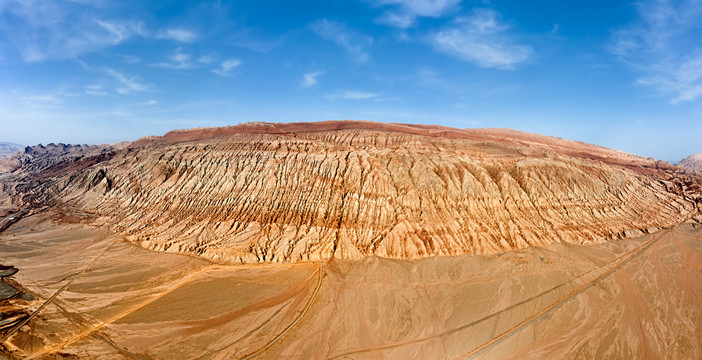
[[626, 75]]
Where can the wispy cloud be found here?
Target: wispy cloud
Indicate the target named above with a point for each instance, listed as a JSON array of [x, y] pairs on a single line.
[[183, 61], [252, 40], [178, 34], [121, 30], [663, 46], [404, 13], [205, 59], [310, 79], [43, 30], [353, 42], [352, 95], [482, 39], [47, 30], [40, 100], [127, 84], [110, 80], [95, 89], [227, 66]]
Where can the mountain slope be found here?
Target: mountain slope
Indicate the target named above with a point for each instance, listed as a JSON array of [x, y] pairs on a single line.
[[291, 192], [346, 192], [692, 162]]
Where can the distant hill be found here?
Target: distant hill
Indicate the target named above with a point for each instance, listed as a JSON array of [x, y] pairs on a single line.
[[7, 148], [692, 162], [57, 157]]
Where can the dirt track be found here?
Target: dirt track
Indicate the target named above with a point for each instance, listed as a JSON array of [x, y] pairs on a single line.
[[609, 269], [155, 305], [620, 262], [258, 352]]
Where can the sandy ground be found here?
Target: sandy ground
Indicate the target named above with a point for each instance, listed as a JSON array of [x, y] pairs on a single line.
[[139, 304]]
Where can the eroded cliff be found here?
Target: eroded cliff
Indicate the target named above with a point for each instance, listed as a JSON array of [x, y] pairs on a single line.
[[292, 192]]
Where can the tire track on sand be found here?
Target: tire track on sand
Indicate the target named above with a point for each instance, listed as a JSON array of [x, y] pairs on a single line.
[[626, 259], [57, 293], [297, 320], [623, 260]]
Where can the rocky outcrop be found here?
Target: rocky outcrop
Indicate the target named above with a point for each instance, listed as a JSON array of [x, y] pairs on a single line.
[[53, 158], [692, 162], [39, 166], [294, 192]]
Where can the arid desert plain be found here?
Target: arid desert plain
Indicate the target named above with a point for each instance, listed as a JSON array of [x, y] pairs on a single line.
[[349, 240]]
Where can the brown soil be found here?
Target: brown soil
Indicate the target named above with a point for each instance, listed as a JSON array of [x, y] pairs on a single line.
[[141, 304]]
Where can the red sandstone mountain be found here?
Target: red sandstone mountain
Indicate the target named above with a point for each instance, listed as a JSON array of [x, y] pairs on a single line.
[[348, 189]]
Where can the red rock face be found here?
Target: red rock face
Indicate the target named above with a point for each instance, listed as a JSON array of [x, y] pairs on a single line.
[[305, 191]]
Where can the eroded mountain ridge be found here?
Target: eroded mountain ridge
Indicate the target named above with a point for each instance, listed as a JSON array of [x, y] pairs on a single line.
[[296, 192]]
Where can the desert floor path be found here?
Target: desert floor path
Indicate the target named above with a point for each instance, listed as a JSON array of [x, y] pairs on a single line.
[[604, 272], [619, 263], [57, 293], [541, 302], [297, 320]]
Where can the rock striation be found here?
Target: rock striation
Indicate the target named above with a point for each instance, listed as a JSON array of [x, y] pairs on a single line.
[[262, 192]]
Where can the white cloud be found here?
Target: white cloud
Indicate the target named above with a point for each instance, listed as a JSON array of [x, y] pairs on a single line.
[[184, 61], [38, 100], [253, 40], [405, 12], [127, 84], [44, 30], [483, 40], [47, 30], [663, 47], [120, 82], [397, 20], [354, 43], [179, 60], [97, 90], [121, 30], [177, 34], [309, 79], [683, 79], [352, 95], [423, 7], [205, 59], [227, 66]]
